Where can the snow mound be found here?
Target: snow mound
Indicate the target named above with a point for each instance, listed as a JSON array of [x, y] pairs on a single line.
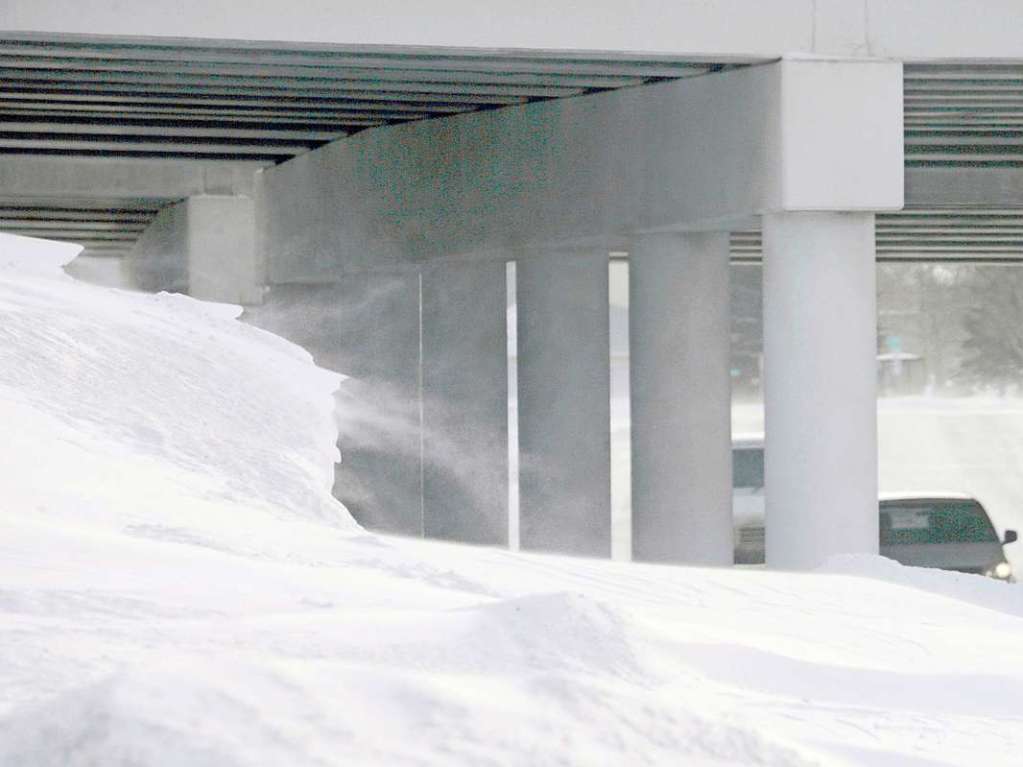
[[122, 408], [232, 714], [30, 256], [133, 718], [579, 634], [972, 589]]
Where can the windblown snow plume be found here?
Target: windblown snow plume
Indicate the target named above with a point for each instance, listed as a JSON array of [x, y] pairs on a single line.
[[179, 589]]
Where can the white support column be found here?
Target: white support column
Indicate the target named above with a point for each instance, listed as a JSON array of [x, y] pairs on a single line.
[[465, 402], [820, 381], [564, 403], [680, 390]]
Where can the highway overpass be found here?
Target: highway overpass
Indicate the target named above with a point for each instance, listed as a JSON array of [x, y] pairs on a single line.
[[339, 164]]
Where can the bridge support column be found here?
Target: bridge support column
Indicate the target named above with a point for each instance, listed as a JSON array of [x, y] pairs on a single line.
[[205, 246], [680, 388], [564, 403], [820, 387], [222, 261], [465, 402]]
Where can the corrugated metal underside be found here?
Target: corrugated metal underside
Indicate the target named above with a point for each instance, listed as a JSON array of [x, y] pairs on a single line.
[[218, 100], [956, 116], [964, 115], [215, 100], [108, 97], [915, 235], [102, 227]]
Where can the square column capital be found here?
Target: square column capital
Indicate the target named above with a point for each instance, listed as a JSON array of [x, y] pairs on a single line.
[[836, 135]]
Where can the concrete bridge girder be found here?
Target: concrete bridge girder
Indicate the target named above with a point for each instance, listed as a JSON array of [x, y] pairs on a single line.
[[45, 177], [708, 153]]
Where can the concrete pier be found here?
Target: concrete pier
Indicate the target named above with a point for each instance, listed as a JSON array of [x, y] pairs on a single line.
[[820, 387], [465, 402], [679, 339], [564, 403]]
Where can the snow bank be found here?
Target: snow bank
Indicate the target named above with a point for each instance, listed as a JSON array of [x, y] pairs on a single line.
[[131, 408], [178, 588], [974, 590]]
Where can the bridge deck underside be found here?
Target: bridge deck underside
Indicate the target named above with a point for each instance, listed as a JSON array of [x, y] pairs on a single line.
[[87, 97]]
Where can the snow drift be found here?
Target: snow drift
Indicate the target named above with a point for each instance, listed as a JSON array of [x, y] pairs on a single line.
[[177, 587], [135, 408]]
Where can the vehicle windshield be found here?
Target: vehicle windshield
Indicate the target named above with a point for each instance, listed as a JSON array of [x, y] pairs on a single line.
[[748, 467], [935, 521]]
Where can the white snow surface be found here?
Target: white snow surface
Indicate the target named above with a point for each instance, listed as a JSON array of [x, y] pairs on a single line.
[[178, 587]]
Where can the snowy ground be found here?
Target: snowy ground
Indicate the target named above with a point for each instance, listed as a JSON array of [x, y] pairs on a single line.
[[177, 587]]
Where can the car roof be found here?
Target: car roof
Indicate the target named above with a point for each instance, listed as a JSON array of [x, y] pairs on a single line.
[[918, 496]]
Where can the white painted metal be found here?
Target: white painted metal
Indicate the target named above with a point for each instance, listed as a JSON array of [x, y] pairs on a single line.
[[679, 333], [820, 387]]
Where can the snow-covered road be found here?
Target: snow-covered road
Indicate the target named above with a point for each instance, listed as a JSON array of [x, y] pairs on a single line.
[[178, 587]]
